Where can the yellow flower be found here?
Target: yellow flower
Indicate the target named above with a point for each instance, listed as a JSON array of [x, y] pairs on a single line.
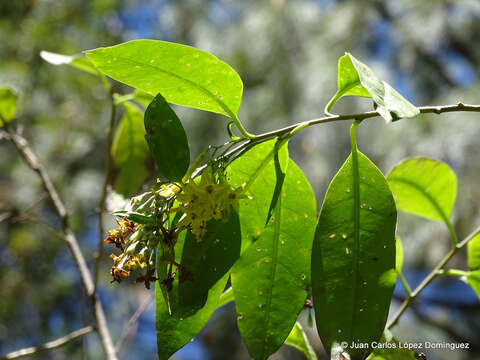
[[169, 190]]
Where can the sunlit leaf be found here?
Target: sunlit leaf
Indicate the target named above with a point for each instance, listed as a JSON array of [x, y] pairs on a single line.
[[357, 79], [256, 170], [8, 104], [77, 61], [399, 254], [474, 253], [271, 278], [182, 74], [353, 256], [424, 187], [167, 139], [130, 152], [299, 340], [473, 279]]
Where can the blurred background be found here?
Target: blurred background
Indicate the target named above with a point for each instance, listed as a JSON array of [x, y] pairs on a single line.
[[286, 53]]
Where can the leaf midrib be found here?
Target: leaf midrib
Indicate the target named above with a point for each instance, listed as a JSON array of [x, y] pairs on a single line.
[[224, 107], [424, 193]]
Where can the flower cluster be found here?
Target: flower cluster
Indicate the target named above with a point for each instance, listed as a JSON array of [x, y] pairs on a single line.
[[206, 200], [149, 221]]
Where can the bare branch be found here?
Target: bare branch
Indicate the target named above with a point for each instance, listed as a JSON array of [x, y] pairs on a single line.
[[132, 323], [33, 350], [32, 161], [103, 197]]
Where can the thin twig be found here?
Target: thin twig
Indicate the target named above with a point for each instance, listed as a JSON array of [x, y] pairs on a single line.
[[33, 350], [103, 197], [132, 323], [32, 161], [432, 275]]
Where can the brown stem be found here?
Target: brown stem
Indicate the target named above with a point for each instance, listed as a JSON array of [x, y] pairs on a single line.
[[103, 196], [33, 350], [32, 161]]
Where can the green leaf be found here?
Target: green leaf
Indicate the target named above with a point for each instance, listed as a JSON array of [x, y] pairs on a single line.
[[167, 139], [298, 339], [353, 256], [256, 169], [208, 260], [130, 152], [357, 79], [474, 253], [77, 61], [271, 278], [8, 104], [173, 333], [473, 279], [388, 348], [143, 97], [424, 187], [226, 297], [182, 74], [398, 254]]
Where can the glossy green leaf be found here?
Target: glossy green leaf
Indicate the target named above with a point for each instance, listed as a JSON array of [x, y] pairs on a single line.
[[8, 104], [130, 153], [473, 279], [256, 169], [173, 333], [424, 187], [77, 61], [167, 139], [474, 253], [399, 254], [299, 340], [271, 277], [227, 296], [182, 74], [357, 79], [208, 261], [353, 256]]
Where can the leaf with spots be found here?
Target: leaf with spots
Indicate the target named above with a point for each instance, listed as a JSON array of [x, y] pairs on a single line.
[[271, 278], [357, 79], [424, 187], [182, 74], [353, 256], [167, 139], [130, 153]]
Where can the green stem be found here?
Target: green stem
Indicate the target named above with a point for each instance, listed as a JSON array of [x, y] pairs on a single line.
[[240, 127], [453, 272], [332, 101], [408, 290], [432, 275]]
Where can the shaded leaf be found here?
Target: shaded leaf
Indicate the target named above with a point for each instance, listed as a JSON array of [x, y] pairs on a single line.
[[8, 104], [271, 277], [357, 79], [130, 152], [208, 260], [353, 256], [424, 187], [182, 74], [173, 333], [474, 253], [256, 169], [299, 340], [167, 139]]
